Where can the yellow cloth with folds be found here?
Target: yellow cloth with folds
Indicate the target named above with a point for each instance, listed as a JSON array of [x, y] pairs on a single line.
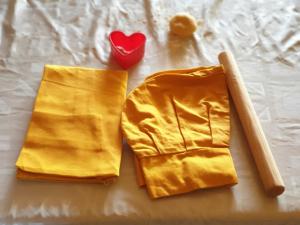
[[178, 125], [74, 133]]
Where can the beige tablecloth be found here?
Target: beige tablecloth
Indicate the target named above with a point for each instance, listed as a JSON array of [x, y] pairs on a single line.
[[265, 39]]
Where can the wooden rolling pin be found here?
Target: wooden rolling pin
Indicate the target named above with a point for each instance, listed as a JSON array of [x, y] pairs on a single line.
[[260, 149]]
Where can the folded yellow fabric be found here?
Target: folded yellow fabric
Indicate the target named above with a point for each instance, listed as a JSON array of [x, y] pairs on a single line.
[[74, 133], [178, 125]]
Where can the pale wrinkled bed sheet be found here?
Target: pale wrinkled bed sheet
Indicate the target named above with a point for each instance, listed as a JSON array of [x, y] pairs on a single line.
[[263, 35]]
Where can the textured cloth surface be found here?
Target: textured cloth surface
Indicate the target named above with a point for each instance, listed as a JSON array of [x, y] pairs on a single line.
[[264, 38], [75, 125], [178, 125]]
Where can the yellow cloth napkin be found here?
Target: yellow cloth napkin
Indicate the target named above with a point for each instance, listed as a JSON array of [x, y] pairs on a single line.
[[178, 125], [74, 133]]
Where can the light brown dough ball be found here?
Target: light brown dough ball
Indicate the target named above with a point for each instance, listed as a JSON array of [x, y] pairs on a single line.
[[183, 24]]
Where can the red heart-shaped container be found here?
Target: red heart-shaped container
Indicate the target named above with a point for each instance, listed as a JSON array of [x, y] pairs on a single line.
[[127, 50]]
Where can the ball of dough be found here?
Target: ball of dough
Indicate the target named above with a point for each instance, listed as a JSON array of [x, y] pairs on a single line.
[[183, 24]]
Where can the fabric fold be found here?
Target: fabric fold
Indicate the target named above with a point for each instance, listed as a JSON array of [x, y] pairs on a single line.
[[178, 125], [74, 133]]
